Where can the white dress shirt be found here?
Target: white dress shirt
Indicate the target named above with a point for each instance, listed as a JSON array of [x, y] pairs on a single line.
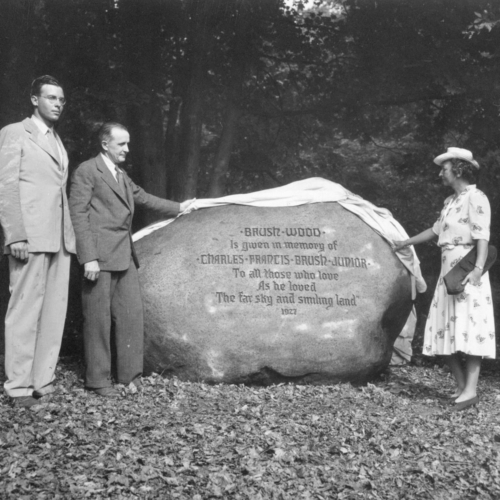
[[111, 166], [43, 129]]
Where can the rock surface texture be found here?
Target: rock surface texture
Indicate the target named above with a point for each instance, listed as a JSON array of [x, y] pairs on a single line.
[[240, 294]]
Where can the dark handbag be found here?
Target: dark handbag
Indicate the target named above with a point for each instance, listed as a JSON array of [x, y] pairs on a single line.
[[454, 277]]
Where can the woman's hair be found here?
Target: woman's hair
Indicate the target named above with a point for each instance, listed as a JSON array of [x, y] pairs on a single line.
[[465, 170]]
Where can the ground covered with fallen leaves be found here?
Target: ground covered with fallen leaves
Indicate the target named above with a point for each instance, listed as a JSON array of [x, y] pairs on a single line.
[[390, 439]]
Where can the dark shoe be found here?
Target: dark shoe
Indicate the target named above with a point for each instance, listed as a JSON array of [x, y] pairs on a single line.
[[465, 404], [105, 392], [45, 392], [448, 399], [24, 402], [137, 382]]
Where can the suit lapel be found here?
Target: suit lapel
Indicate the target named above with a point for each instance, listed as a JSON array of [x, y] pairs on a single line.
[[40, 140], [108, 178], [128, 190], [64, 159]]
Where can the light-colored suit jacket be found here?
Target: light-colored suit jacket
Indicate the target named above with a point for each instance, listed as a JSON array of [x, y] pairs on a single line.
[[102, 215], [33, 201]]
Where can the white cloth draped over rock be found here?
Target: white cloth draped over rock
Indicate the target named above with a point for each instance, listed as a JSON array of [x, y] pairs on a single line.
[[318, 190]]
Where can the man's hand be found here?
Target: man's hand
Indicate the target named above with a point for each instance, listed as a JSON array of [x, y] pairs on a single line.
[[19, 250], [185, 205], [91, 270]]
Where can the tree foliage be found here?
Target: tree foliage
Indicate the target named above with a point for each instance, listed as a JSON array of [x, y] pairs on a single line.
[[233, 96]]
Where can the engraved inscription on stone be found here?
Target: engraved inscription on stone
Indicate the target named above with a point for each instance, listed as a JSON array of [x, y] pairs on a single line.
[[289, 268]]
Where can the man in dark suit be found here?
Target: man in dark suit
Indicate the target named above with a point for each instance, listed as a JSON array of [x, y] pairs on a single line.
[[38, 240], [102, 202]]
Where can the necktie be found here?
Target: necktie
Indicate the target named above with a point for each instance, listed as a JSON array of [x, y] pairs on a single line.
[[121, 182], [53, 144]]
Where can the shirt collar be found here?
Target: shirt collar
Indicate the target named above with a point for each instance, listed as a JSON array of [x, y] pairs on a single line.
[[111, 166], [109, 163], [39, 123]]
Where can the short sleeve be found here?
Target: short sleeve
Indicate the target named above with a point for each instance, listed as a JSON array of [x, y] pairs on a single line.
[[436, 228], [479, 215]]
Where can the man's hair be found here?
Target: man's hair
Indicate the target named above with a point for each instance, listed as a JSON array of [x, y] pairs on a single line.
[[38, 83], [104, 132]]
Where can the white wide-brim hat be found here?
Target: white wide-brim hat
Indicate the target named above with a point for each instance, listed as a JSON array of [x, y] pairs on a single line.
[[459, 154]]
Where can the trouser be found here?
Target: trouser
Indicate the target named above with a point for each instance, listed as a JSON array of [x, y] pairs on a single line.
[[115, 298], [34, 322]]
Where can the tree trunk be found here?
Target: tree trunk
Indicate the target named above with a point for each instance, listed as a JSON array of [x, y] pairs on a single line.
[[152, 162], [242, 45], [172, 143], [218, 179], [186, 171], [144, 40]]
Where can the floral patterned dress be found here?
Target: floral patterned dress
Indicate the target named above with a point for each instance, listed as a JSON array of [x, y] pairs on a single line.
[[461, 322]]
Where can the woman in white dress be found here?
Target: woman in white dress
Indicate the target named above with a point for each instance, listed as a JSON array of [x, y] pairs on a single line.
[[461, 322]]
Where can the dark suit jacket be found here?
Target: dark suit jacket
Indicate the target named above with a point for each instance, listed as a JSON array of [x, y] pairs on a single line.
[[33, 202], [102, 215]]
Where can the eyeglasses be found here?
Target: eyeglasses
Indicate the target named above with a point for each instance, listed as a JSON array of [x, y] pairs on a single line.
[[53, 99]]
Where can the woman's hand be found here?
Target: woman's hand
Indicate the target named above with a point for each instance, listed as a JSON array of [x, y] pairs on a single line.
[[399, 245], [427, 235], [474, 277]]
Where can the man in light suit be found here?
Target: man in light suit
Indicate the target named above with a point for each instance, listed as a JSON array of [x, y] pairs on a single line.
[[38, 240], [102, 202]]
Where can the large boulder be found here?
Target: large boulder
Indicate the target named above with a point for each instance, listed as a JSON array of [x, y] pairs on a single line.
[[240, 294], [4, 292]]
